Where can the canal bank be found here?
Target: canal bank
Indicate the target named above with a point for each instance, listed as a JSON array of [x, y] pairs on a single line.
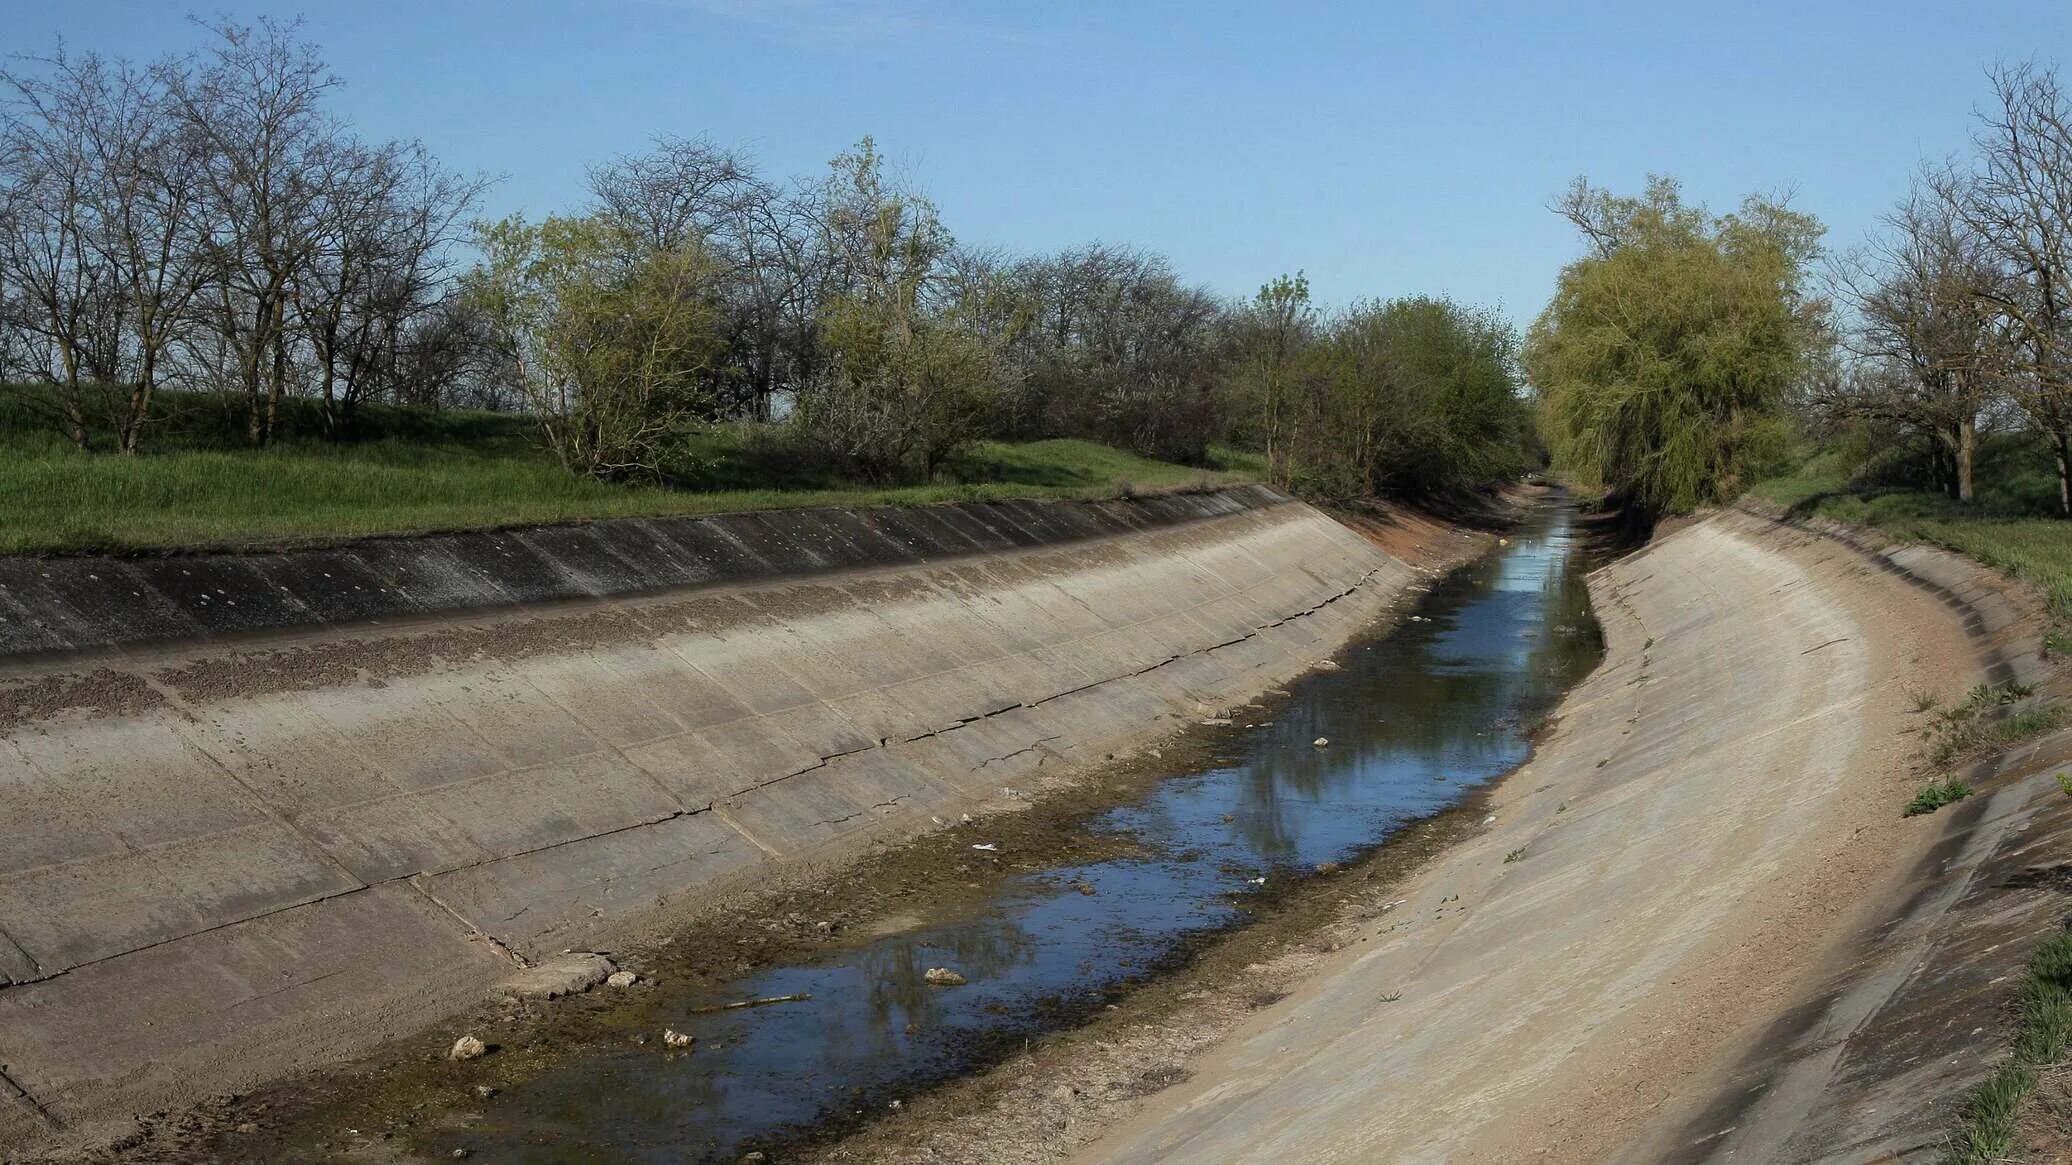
[[1703, 863], [1085, 906], [276, 847]]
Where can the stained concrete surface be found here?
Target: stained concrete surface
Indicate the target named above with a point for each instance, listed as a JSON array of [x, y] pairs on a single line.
[[363, 784], [1697, 927]]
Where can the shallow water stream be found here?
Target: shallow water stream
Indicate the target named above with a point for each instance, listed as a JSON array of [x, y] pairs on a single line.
[[1416, 719]]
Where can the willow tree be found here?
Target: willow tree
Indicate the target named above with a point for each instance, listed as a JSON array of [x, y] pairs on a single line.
[[1667, 355]]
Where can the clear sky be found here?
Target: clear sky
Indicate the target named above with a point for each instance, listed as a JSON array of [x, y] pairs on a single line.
[[1384, 148]]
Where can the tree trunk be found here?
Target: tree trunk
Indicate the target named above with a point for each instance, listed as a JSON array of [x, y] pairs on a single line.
[[139, 404], [1967, 448], [2064, 443], [74, 412], [279, 386]]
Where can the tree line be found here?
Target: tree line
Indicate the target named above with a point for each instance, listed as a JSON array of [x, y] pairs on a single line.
[[206, 223], [1683, 352]]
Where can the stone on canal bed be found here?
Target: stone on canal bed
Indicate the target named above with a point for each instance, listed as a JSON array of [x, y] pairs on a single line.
[[943, 977], [567, 974]]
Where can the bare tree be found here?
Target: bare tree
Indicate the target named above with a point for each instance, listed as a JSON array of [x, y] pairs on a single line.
[[679, 192], [61, 287], [253, 103], [2018, 201], [383, 221], [147, 221], [1924, 299]]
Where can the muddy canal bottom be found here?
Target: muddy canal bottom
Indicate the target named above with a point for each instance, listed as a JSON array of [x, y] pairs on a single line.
[[1415, 720]]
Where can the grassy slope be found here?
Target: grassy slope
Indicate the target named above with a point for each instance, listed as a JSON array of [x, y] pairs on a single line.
[[2011, 527], [453, 471]]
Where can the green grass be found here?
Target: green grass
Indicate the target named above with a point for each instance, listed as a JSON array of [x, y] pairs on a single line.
[[1983, 721], [1989, 1123], [2011, 527], [423, 471], [1936, 794]]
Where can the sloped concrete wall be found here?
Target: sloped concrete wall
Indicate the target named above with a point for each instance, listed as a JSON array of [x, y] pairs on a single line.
[[249, 798]]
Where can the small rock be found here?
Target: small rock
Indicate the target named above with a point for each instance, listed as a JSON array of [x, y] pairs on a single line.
[[676, 1039], [943, 977], [752, 1158], [248, 1127], [1216, 722], [621, 979], [1328, 664], [466, 1048], [1321, 741], [1327, 867], [568, 974], [989, 847], [457, 1154], [484, 1092]]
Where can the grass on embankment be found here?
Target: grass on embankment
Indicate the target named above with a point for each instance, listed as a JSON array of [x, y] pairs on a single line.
[[422, 472], [2011, 527], [1991, 1118]]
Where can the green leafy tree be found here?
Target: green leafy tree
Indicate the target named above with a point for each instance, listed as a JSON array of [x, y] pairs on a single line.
[[613, 344], [1406, 396], [1272, 333], [909, 379], [1668, 353]]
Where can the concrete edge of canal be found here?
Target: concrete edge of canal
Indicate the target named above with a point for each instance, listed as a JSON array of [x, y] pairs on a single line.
[[267, 811]]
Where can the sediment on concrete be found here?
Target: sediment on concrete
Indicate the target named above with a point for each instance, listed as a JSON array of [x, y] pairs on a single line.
[[259, 800], [1875, 1062], [1697, 927]]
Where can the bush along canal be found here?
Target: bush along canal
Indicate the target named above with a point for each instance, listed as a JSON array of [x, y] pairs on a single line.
[[1406, 724]]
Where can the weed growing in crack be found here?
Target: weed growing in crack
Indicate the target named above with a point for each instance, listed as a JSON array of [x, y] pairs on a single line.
[[1982, 720], [1514, 855], [1936, 794]]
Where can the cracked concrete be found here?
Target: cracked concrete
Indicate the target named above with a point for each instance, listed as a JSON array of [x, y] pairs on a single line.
[[1697, 926], [354, 829]]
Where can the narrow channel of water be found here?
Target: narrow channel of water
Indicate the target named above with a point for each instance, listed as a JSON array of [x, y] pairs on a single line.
[[1416, 718]]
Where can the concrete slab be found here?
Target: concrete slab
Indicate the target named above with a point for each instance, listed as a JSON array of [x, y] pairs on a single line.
[[411, 740], [520, 724], [179, 794], [553, 804], [246, 998], [85, 911], [542, 902], [393, 837], [286, 756]]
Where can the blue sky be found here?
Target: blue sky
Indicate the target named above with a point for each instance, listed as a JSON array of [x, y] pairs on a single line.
[[1384, 148]]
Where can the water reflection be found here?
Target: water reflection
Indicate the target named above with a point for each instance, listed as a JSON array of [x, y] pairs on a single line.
[[1415, 719]]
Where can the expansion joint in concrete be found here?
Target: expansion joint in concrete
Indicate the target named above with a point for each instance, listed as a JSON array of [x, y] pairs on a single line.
[[9, 1086]]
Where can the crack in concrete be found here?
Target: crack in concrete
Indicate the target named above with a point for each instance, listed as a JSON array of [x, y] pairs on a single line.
[[11, 1087]]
